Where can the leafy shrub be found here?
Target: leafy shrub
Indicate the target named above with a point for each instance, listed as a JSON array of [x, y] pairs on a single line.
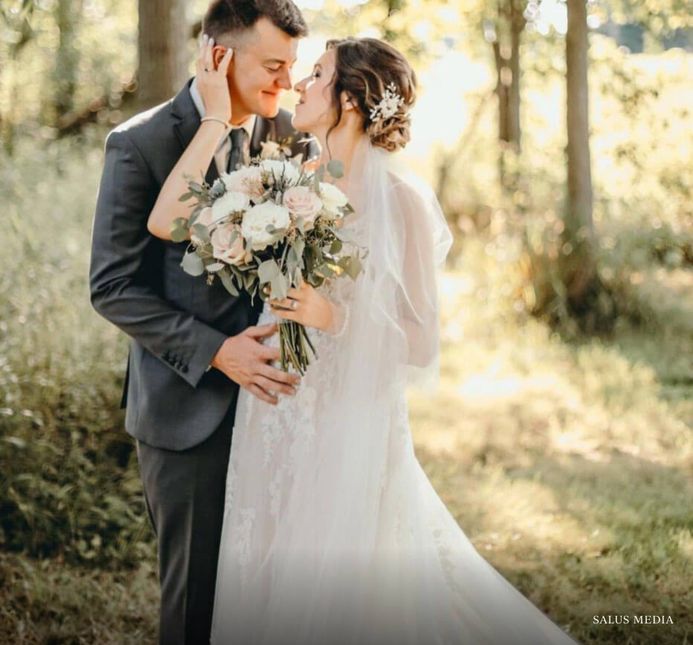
[[68, 478]]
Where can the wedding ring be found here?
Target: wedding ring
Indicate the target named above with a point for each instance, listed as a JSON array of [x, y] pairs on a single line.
[[294, 305]]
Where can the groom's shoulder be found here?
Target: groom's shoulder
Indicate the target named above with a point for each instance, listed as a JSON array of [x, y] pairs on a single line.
[[283, 119], [145, 124]]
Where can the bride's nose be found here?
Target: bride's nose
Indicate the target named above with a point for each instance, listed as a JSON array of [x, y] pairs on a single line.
[[300, 86]]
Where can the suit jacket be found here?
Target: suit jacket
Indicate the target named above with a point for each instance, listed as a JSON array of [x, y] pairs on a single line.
[[176, 322]]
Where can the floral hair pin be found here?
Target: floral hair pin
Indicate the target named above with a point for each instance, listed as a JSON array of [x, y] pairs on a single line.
[[389, 104]]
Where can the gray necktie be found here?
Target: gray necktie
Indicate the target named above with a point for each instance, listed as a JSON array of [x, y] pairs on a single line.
[[238, 144]]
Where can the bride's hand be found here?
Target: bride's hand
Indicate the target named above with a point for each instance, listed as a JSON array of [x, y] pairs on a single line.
[[213, 82], [307, 306]]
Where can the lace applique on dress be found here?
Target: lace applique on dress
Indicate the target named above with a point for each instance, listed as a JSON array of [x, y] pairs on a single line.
[[231, 478], [243, 540]]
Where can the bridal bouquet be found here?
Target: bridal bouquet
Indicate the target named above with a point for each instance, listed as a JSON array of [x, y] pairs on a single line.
[[265, 228]]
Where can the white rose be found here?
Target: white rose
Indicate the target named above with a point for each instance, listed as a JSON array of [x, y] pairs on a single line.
[[204, 218], [258, 218], [269, 149], [227, 244], [303, 203], [246, 180], [332, 197], [279, 169], [230, 202]]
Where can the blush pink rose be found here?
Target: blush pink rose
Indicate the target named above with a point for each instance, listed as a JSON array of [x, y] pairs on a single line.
[[304, 203], [226, 250], [246, 180]]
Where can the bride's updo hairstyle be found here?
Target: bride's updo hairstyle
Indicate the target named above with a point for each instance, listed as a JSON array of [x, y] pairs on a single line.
[[370, 71]]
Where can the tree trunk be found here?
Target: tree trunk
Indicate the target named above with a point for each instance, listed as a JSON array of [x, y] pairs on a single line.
[[517, 25], [163, 34], [578, 268], [67, 56], [506, 53]]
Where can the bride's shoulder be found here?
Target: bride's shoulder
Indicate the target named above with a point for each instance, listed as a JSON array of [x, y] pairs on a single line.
[[410, 193]]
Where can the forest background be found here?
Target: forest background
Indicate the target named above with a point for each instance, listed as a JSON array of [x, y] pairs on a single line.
[[558, 138]]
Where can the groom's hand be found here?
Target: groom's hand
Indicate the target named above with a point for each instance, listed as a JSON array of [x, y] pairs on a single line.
[[244, 359]]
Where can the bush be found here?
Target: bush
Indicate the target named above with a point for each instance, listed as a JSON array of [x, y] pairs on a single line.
[[68, 480]]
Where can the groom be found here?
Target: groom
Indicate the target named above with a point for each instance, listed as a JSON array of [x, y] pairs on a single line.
[[192, 345]]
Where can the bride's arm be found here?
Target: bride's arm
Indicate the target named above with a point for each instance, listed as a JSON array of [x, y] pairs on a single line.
[[195, 160]]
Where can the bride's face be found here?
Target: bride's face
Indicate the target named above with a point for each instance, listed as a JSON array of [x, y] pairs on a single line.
[[314, 111]]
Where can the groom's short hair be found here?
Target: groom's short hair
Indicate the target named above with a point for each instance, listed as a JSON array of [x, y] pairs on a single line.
[[232, 17]]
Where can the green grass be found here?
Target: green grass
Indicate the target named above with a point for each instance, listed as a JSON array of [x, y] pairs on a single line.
[[48, 602], [568, 464]]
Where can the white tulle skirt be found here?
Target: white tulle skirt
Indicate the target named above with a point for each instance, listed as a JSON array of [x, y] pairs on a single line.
[[321, 546]]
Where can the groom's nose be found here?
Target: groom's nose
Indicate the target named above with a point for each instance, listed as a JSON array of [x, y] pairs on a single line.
[[284, 80]]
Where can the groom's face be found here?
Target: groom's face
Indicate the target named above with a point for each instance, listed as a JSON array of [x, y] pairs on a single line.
[[260, 70]]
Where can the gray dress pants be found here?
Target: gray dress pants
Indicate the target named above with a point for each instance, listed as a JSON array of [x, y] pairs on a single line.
[[184, 494]]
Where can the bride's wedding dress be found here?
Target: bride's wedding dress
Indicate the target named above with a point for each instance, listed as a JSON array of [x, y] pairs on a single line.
[[332, 531]]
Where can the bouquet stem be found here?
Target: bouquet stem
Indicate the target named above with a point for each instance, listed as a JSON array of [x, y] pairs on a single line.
[[295, 348]]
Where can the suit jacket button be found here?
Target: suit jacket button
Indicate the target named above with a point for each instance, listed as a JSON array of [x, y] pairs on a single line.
[[184, 369]]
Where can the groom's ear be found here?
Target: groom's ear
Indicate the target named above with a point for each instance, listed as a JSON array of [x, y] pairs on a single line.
[[217, 54]]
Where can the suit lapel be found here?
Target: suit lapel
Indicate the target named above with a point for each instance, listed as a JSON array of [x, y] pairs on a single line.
[[264, 130], [186, 122]]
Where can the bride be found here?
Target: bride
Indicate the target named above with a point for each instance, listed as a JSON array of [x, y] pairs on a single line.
[[332, 531]]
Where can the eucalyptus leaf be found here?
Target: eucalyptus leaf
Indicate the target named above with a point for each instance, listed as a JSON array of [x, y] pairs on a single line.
[[201, 231], [179, 230], [215, 266], [279, 286], [335, 168], [292, 259], [354, 267], [249, 281], [324, 271], [227, 281], [268, 270], [192, 264]]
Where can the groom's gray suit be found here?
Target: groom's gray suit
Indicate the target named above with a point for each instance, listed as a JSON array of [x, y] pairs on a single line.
[[180, 412]]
